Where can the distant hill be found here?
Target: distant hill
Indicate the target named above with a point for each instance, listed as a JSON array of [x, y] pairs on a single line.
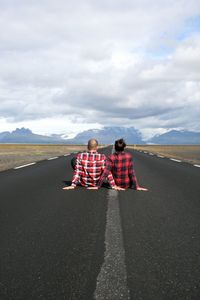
[[108, 135], [26, 136], [175, 137]]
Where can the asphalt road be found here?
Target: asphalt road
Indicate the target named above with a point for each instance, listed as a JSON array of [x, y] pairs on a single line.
[[85, 244]]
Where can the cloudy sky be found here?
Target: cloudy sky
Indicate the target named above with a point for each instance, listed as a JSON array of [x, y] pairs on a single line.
[[67, 66]]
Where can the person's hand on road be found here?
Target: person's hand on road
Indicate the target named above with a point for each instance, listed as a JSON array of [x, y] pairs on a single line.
[[118, 188], [71, 187], [141, 189], [93, 188]]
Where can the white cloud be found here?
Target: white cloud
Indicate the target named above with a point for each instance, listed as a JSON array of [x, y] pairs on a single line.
[[99, 63]]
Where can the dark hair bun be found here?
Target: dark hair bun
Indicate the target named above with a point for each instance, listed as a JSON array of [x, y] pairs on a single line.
[[120, 145]]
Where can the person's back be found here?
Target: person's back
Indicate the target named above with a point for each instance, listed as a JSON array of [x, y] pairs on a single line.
[[121, 167], [89, 167]]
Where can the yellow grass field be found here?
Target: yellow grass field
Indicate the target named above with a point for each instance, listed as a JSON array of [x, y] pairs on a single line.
[[188, 153], [13, 155]]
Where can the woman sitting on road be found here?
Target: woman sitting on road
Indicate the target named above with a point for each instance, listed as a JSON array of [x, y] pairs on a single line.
[[120, 164]]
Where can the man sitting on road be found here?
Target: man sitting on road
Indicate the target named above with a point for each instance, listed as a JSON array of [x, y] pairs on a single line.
[[89, 168]]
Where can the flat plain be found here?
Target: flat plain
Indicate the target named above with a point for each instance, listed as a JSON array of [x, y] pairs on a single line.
[[14, 155], [187, 153]]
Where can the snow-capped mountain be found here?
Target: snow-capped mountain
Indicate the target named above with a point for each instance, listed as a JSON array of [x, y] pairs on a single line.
[[108, 135], [175, 137]]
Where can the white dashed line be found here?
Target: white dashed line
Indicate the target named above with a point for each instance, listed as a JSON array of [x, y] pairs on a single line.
[[112, 279], [66, 154], [23, 166], [51, 158], [177, 160], [161, 156]]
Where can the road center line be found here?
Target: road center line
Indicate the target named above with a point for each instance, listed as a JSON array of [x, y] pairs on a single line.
[[198, 166], [23, 166], [112, 279]]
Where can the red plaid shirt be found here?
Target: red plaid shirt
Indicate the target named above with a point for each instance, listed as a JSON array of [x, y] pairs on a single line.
[[89, 168], [120, 164]]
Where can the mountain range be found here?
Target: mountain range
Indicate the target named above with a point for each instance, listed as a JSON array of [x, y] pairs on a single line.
[[26, 136], [175, 137], [106, 135]]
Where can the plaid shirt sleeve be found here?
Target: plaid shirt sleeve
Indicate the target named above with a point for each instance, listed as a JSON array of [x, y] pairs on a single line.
[[77, 172], [132, 175], [107, 174]]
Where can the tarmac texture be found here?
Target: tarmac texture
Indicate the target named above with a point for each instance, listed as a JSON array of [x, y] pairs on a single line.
[[57, 244]]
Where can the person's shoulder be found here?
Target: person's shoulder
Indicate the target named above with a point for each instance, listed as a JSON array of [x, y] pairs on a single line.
[[112, 156], [81, 155], [128, 155]]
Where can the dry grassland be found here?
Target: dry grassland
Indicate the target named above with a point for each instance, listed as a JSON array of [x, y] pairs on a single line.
[[13, 155], [188, 153]]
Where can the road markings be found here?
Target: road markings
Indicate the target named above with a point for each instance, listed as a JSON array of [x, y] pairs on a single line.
[[177, 160], [51, 158], [161, 156], [23, 166], [66, 154], [112, 279]]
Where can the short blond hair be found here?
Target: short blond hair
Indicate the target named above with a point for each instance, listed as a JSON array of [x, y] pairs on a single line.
[[92, 144]]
